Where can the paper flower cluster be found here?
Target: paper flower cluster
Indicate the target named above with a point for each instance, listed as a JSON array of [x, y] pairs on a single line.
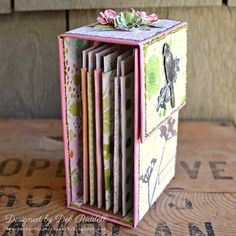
[[107, 17], [127, 20]]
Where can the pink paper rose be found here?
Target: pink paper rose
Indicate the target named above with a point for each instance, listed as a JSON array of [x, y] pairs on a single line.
[[107, 17], [147, 19], [141, 13], [152, 18]]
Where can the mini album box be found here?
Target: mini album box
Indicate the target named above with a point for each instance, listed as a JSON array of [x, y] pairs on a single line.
[[123, 82]]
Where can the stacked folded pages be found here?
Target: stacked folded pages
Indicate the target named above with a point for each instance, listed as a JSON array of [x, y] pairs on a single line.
[[107, 78]]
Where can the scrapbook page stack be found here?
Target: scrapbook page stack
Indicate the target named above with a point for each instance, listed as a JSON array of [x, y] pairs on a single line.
[[123, 81]]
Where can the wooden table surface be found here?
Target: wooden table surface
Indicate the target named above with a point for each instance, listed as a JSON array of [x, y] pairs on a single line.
[[201, 200]]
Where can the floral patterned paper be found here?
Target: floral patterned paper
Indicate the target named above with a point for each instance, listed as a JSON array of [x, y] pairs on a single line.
[[157, 157], [155, 78], [72, 59], [98, 123], [108, 133]]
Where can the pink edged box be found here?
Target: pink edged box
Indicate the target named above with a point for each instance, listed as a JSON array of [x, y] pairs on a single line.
[[159, 83]]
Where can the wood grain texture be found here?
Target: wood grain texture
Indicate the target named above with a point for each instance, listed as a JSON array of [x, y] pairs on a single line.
[[32, 184], [231, 3], [5, 6], [211, 57], [38, 5], [205, 162], [29, 74]]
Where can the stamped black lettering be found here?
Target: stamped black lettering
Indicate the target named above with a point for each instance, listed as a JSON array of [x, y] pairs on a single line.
[[60, 169], [214, 165], [192, 173], [37, 164], [195, 231], [13, 171], [46, 228], [162, 230], [9, 191], [115, 230], [15, 226], [45, 201], [209, 229]]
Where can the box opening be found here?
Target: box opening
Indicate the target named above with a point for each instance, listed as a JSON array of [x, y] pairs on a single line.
[[73, 117]]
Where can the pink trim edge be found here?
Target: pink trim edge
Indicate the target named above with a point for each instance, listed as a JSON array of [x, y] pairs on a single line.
[[136, 136], [100, 39], [142, 94], [100, 216], [63, 108]]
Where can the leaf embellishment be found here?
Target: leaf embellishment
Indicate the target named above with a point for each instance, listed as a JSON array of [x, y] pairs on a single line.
[[74, 109], [99, 27], [144, 27], [156, 25]]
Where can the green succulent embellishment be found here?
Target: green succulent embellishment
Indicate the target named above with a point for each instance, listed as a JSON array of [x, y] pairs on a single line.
[[127, 20]]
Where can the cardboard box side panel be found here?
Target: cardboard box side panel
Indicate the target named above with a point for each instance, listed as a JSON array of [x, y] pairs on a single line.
[[70, 52], [157, 163]]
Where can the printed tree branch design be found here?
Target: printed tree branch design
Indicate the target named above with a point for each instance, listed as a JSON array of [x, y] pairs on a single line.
[[167, 133], [146, 177]]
